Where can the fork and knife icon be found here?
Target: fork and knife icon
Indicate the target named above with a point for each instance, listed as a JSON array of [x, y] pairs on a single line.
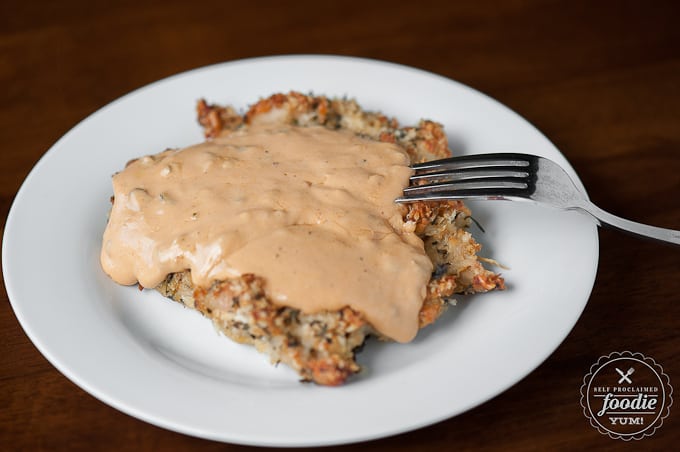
[[624, 376]]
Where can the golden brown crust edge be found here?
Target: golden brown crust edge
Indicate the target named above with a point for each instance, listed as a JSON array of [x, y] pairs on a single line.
[[321, 347]]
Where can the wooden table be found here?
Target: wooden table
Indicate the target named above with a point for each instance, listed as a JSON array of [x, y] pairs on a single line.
[[600, 79]]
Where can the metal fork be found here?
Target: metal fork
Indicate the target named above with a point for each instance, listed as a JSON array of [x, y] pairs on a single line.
[[515, 177]]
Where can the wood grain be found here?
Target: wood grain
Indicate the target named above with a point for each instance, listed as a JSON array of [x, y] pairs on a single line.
[[600, 79]]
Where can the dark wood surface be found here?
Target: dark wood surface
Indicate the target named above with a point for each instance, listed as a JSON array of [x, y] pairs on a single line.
[[601, 79]]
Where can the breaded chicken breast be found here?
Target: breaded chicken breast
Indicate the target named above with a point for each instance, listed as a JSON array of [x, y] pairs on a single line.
[[321, 346]]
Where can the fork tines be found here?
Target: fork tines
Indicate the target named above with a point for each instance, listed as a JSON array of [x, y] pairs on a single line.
[[483, 176]]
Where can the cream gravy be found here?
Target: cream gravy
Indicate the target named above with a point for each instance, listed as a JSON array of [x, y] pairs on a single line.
[[309, 209]]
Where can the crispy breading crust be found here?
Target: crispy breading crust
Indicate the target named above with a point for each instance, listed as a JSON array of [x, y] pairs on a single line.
[[321, 346]]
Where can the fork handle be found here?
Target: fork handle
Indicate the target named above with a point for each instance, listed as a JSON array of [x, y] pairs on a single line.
[[643, 230]]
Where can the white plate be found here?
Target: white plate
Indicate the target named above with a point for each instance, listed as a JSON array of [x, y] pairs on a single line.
[[157, 361]]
